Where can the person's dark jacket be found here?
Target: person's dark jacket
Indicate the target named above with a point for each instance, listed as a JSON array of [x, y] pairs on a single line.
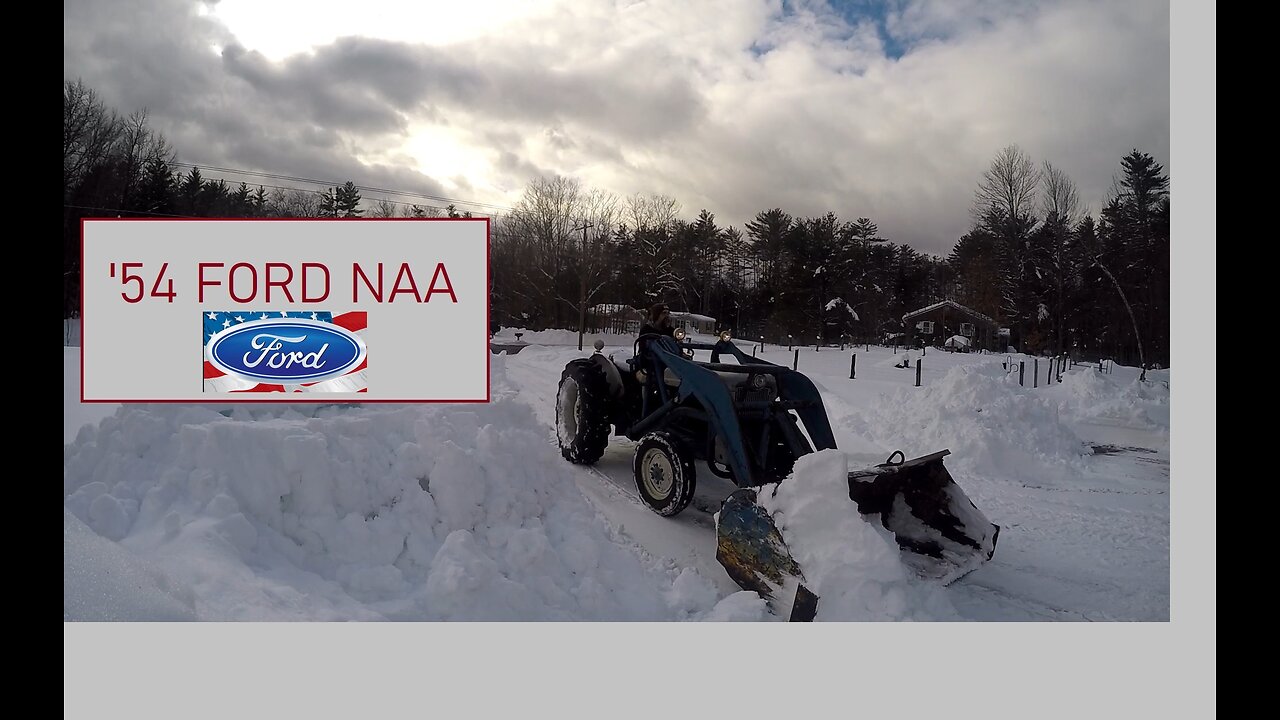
[[647, 329]]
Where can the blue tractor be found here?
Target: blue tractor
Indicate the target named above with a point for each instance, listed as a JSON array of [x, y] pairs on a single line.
[[742, 420]]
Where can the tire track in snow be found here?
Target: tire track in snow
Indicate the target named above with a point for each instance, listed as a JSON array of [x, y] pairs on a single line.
[[686, 540]]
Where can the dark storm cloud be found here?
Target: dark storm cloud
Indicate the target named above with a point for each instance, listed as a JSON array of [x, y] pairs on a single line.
[[368, 85], [224, 106]]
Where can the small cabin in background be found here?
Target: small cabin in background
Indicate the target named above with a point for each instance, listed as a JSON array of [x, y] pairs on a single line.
[[692, 322], [934, 324]]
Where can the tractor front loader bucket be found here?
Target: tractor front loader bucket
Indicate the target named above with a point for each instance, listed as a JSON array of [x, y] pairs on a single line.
[[943, 534]]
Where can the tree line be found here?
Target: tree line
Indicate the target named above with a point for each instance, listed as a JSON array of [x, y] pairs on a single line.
[[1058, 278]]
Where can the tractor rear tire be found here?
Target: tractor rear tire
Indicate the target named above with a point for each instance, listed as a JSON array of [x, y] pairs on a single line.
[[582, 412], [665, 478]]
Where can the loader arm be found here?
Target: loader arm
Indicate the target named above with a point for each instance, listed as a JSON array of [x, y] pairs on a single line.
[[710, 390]]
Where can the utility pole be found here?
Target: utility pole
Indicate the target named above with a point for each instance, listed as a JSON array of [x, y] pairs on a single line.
[[582, 283]]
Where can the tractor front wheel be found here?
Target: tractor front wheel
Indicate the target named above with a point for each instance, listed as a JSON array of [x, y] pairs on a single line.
[[664, 475]]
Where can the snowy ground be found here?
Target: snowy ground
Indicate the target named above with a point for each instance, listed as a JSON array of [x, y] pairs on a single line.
[[468, 512]]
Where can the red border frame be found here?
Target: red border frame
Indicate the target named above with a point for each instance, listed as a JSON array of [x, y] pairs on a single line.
[[488, 291]]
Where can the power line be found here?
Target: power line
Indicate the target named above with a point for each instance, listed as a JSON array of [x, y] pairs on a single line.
[[319, 192], [313, 181], [309, 190]]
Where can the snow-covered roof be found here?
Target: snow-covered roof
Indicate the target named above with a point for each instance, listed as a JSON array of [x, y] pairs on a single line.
[[607, 308], [951, 303]]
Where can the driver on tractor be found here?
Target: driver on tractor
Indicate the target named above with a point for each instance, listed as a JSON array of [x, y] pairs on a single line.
[[659, 321]]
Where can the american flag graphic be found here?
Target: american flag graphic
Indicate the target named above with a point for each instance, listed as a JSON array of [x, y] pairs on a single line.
[[216, 381]]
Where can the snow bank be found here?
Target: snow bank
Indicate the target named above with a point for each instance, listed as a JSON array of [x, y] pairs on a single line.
[[103, 582], [1090, 395], [71, 332], [992, 426], [892, 359], [76, 414], [340, 512], [852, 563]]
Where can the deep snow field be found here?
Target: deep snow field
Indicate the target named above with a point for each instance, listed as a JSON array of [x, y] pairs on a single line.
[[468, 512]]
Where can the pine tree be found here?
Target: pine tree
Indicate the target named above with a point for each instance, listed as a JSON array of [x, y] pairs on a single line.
[[768, 232], [157, 192], [347, 201], [1134, 233], [1091, 293], [215, 198], [977, 270], [329, 203], [242, 203], [706, 241], [259, 202], [190, 194], [866, 231]]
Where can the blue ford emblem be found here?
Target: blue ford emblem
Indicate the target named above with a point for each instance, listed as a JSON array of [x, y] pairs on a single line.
[[286, 350]]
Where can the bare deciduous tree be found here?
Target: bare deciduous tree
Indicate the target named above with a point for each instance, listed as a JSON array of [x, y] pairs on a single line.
[[383, 208], [595, 266], [544, 219], [1008, 185], [89, 131], [649, 212], [137, 146], [294, 203], [652, 219], [1058, 194]]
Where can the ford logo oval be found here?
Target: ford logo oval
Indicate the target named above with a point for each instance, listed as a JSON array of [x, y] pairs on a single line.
[[286, 350]]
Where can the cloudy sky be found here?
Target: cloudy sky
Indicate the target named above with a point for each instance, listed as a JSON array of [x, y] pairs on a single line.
[[889, 110]]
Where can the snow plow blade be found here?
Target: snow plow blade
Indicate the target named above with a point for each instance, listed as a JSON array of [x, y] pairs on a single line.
[[944, 536], [752, 551]]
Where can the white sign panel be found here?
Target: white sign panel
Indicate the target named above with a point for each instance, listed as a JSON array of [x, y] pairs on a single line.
[[354, 310]]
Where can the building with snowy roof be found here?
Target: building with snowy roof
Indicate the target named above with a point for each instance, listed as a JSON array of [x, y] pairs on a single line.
[[933, 324], [695, 322]]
